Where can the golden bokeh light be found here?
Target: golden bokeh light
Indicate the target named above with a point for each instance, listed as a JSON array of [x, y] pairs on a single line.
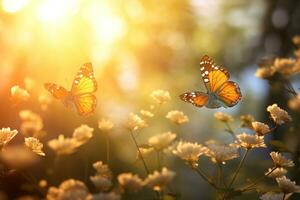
[[12, 6]]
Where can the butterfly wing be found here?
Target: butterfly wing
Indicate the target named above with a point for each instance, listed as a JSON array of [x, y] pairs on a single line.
[[85, 104], [57, 91], [198, 99], [84, 82], [213, 75], [229, 93]]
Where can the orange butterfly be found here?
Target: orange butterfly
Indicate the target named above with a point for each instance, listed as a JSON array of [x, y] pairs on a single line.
[[81, 94], [220, 91]]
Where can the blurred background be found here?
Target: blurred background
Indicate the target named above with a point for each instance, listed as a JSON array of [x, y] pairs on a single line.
[[137, 46]]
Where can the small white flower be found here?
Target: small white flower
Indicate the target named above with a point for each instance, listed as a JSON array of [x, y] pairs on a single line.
[[220, 153], [147, 113], [83, 133], [189, 152], [278, 172], [34, 145], [281, 161], [6, 135], [278, 115], [159, 180], [160, 96], [19, 94], [102, 183], [105, 125], [287, 186], [260, 128], [272, 196], [63, 146], [250, 141], [106, 196], [177, 117], [161, 141], [223, 117], [130, 182], [135, 122]]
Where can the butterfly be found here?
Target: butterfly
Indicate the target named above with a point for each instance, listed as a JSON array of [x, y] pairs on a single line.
[[221, 92], [81, 94]]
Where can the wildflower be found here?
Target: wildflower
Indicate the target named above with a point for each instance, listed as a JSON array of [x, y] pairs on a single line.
[[102, 183], [278, 115], [34, 145], [44, 99], [287, 186], [145, 152], [102, 179], [160, 96], [223, 117], [177, 117], [260, 128], [6, 135], [297, 54], [18, 156], [130, 182], [285, 66], [63, 146], [278, 172], [105, 125], [265, 72], [219, 153], [273, 196], [296, 40], [83, 133], [147, 113], [294, 103], [43, 183], [106, 196], [159, 180], [19, 94], [69, 190], [247, 121], [189, 152], [32, 124], [135, 122], [250, 141], [162, 141], [102, 169], [281, 161]]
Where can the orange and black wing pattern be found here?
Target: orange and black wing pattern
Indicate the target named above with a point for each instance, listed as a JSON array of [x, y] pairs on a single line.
[[229, 93], [212, 74], [57, 91], [198, 99]]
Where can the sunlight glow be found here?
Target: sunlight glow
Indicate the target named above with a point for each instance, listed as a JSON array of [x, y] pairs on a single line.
[[57, 10], [13, 6]]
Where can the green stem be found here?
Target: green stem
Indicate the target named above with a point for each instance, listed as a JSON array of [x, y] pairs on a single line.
[[230, 131], [238, 168], [249, 187], [205, 177], [142, 158]]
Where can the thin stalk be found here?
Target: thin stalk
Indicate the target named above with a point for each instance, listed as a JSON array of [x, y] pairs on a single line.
[[158, 159], [259, 179], [222, 178], [142, 158], [238, 168], [107, 148], [205, 177], [283, 197], [230, 131]]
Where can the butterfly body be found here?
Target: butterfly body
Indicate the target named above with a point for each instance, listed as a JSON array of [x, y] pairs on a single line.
[[81, 95], [220, 91]]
